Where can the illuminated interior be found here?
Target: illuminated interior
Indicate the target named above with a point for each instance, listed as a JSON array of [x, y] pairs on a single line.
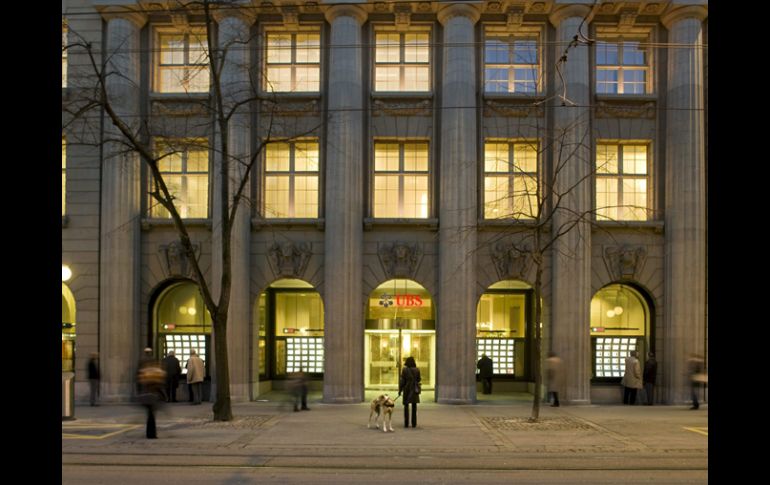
[[400, 323], [183, 323], [68, 319]]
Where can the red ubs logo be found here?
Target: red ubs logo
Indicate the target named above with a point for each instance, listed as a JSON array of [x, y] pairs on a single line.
[[386, 300]]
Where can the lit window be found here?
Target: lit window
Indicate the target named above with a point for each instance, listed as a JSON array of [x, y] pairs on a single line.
[[185, 170], [622, 67], [64, 49], [291, 180], [401, 179], [182, 61], [63, 174], [293, 62], [402, 61], [510, 180], [622, 179], [511, 64]]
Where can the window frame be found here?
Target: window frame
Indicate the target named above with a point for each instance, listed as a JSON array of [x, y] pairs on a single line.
[[64, 53], [401, 173], [184, 153], [525, 32], [402, 64], [621, 176], [291, 174], [620, 39], [158, 68], [63, 175], [511, 174], [293, 64]]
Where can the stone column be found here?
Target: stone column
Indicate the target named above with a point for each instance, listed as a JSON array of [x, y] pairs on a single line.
[[343, 238], [233, 43], [571, 168], [119, 317], [685, 260], [456, 329]]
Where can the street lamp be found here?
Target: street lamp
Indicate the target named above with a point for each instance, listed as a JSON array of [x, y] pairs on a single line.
[[66, 272]]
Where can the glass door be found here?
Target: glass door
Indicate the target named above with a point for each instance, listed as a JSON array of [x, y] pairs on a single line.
[[386, 350]]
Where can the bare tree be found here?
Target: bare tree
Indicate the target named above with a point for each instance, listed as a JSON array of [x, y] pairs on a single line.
[[234, 92]]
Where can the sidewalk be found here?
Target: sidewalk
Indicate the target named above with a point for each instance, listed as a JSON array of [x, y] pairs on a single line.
[[492, 434]]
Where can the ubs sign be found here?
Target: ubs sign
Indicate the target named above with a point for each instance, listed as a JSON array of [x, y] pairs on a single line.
[[405, 300]]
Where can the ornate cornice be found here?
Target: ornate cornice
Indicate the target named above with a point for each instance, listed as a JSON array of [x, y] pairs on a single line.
[[675, 14], [124, 13], [354, 11], [559, 14], [458, 9]]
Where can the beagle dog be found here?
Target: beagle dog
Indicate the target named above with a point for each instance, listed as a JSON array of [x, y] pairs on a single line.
[[383, 406]]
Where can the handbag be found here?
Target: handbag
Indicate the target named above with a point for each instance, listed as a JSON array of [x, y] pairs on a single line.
[[417, 386]]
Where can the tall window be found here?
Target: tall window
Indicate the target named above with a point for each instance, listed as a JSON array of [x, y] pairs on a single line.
[[293, 62], [511, 64], [622, 173], [185, 169], [63, 56], [63, 174], [181, 61], [401, 179], [291, 180], [510, 180], [402, 61], [622, 67]]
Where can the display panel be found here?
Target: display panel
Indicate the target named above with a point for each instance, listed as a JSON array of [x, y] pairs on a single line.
[[182, 345], [305, 354], [610, 355], [501, 351]]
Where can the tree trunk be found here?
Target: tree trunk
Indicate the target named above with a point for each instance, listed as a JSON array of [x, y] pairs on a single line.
[[222, 409], [538, 339]]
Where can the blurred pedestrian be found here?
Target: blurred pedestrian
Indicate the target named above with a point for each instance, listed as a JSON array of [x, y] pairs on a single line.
[[695, 366], [195, 374], [150, 379], [173, 372], [555, 377], [299, 390], [93, 377], [632, 378], [650, 373], [486, 369], [409, 385]]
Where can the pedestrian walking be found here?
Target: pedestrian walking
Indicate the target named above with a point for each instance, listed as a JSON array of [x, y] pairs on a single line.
[[150, 380], [195, 375], [650, 373], [632, 378], [93, 377], [173, 372], [555, 377], [409, 385], [695, 366], [299, 390], [486, 369]]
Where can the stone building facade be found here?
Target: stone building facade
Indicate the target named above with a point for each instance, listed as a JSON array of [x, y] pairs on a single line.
[[422, 124]]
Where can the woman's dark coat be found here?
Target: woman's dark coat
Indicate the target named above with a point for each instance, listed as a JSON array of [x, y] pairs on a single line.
[[406, 385]]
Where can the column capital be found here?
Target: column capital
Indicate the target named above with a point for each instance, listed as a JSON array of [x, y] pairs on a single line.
[[344, 10], [675, 14], [458, 9], [243, 13], [113, 13], [558, 15]]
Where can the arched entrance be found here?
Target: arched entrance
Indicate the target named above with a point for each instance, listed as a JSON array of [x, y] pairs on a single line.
[[504, 324], [67, 329], [291, 330], [620, 323], [182, 323], [400, 322]]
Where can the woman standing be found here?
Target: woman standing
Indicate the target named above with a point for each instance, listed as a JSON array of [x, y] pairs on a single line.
[[409, 386]]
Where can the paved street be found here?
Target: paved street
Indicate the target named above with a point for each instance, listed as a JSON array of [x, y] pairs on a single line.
[[490, 442]]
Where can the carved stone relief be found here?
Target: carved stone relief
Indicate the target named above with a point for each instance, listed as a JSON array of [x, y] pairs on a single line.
[[510, 262], [497, 108], [175, 259], [288, 259], [399, 259], [405, 108], [624, 262], [614, 110]]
